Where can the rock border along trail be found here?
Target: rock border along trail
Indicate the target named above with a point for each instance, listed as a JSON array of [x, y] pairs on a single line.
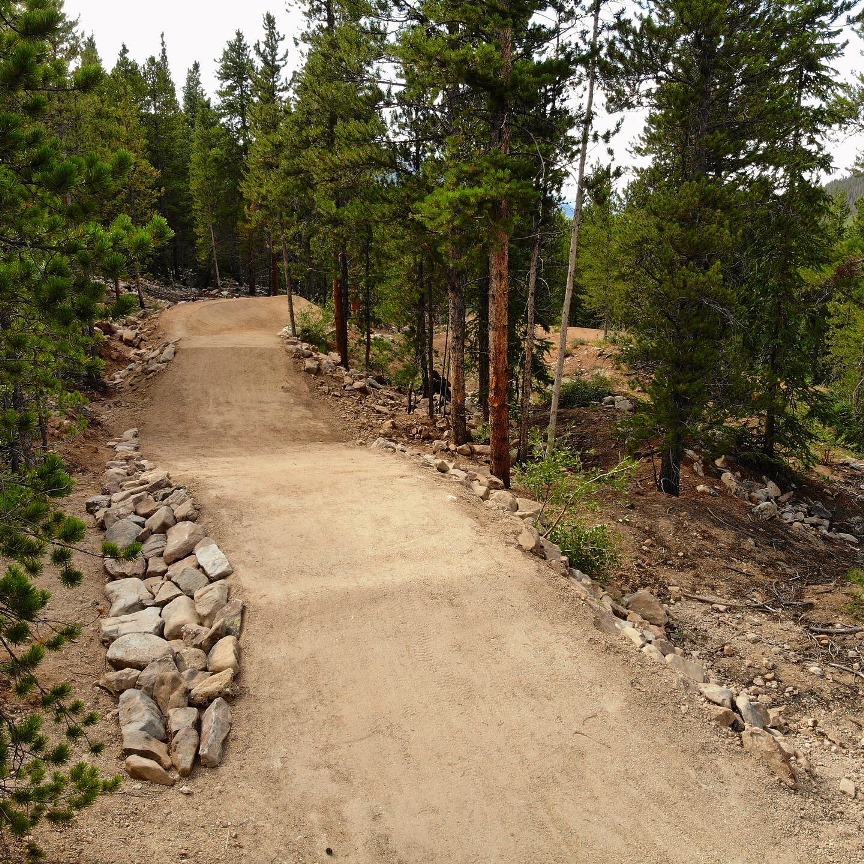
[[415, 689]]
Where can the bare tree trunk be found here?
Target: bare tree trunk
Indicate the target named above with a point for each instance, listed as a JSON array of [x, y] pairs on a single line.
[[367, 300], [138, 286], [483, 349], [430, 347], [215, 257], [339, 311], [288, 289], [274, 271], [528, 370], [499, 286], [117, 288], [574, 235], [250, 262], [456, 297]]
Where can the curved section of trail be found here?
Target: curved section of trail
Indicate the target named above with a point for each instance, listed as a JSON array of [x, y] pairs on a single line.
[[414, 689]]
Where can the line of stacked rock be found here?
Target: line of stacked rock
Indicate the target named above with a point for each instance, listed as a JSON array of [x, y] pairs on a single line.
[[172, 629], [134, 343]]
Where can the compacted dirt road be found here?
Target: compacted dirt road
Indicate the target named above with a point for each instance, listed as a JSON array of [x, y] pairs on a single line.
[[414, 688]]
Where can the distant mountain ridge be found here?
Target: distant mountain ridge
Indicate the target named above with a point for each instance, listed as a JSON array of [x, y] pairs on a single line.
[[853, 186]]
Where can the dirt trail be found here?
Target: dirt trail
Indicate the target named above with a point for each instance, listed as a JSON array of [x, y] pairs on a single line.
[[414, 689]]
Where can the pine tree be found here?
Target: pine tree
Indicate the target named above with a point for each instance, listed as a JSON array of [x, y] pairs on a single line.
[[337, 135], [168, 141], [194, 96], [714, 80], [51, 293]]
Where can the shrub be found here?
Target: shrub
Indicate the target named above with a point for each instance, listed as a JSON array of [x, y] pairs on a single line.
[[580, 392], [568, 492], [315, 326], [590, 549]]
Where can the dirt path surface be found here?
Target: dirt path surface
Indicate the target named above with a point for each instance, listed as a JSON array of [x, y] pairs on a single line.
[[414, 688]]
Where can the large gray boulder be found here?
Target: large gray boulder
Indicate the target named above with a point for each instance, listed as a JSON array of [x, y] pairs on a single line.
[[124, 533], [161, 520], [177, 614], [210, 600], [182, 540], [139, 713], [126, 596]]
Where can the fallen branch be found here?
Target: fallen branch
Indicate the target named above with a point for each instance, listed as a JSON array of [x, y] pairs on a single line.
[[713, 601], [835, 631], [846, 669]]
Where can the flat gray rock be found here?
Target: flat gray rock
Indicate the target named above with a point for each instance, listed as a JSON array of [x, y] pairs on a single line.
[[146, 769], [182, 718], [721, 696], [137, 650], [140, 743], [154, 545], [145, 621], [752, 713], [190, 580], [687, 668], [213, 562]]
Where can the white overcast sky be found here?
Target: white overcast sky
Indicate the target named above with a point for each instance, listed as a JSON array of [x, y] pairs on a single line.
[[197, 30]]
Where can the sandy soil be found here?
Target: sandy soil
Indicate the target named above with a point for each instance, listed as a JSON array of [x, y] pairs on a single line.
[[414, 688]]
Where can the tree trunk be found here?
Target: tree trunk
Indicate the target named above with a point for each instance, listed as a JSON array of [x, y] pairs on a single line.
[[528, 369], [339, 311], [483, 349], [367, 300], [456, 297], [250, 262], [420, 348], [117, 288], [215, 257], [670, 467], [499, 283], [574, 234], [499, 290], [138, 286], [288, 289], [274, 272], [430, 347]]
